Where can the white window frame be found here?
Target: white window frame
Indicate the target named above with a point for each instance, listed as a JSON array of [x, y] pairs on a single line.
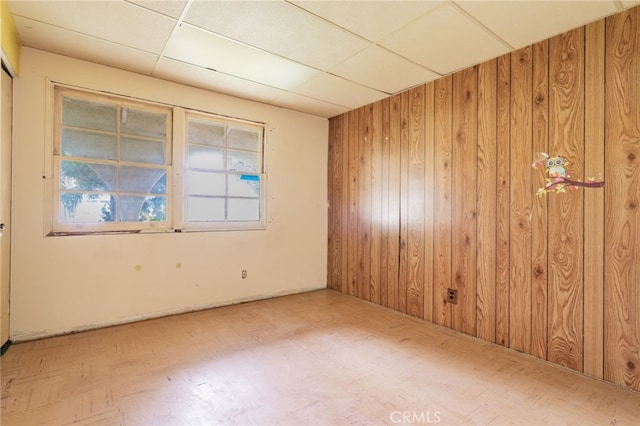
[[176, 146]]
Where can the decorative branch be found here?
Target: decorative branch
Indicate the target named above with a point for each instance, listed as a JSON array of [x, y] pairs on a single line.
[[559, 184], [589, 183]]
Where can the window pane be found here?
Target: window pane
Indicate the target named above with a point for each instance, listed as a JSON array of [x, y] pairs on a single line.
[[142, 151], [140, 179], [244, 186], [241, 161], [205, 158], [243, 138], [154, 209], [200, 209], [87, 176], [205, 133], [86, 208], [88, 114], [161, 186], [205, 183], [243, 209], [143, 123], [78, 143], [143, 209]]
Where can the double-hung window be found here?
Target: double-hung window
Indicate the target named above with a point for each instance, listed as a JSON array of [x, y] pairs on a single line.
[[224, 170], [113, 167], [113, 161]]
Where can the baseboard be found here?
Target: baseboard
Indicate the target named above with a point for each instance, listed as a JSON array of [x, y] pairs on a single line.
[[23, 337]]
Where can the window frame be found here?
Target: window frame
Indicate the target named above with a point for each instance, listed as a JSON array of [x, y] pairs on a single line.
[[175, 166]]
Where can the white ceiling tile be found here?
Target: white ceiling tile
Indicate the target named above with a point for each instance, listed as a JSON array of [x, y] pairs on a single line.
[[336, 90], [310, 106], [171, 8], [58, 40], [523, 23], [278, 27], [192, 75], [444, 40], [383, 70], [371, 19], [116, 21], [208, 50]]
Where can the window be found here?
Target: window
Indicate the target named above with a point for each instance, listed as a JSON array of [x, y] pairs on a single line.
[[113, 168], [223, 171]]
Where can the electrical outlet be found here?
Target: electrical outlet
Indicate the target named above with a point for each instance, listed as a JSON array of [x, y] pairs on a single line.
[[244, 274], [452, 295]]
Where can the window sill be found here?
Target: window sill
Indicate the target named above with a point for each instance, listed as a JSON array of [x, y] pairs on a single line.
[[157, 231]]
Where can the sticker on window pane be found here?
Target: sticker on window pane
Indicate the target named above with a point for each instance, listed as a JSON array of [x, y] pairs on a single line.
[[199, 157], [241, 186], [143, 123], [143, 209], [240, 161], [140, 179], [201, 209], [243, 209], [85, 144], [142, 151], [81, 176], [86, 208], [205, 133], [88, 114], [243, 138], [206, 183]]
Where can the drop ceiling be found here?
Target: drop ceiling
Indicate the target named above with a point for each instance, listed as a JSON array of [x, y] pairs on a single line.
[[318, 57]]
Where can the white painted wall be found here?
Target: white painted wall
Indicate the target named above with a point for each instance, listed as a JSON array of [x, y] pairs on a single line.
[[63, 284]]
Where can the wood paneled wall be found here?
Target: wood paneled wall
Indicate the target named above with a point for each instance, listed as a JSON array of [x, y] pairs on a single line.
[[433, 189]]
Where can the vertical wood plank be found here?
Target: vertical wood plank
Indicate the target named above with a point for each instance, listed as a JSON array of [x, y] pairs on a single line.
[[352, 198], [331, 242], [384, 219], [464, 159], [487, 207], [521, 193], [622, 204], [394, 201], [428, 196], [594, 200], [442, 200], [503, 191], [415, 202], [364, 203], [376, 201], [344, 231], [334, 211], [566, 129], [539, 221], [403, 276]]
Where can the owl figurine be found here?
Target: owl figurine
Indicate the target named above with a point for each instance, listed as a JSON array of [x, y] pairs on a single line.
[[555, 167]]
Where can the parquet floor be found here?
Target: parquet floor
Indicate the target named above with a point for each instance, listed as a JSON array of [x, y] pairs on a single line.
[[315, 358]]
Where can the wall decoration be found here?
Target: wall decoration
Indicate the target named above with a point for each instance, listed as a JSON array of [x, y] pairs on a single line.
[[558, 178]]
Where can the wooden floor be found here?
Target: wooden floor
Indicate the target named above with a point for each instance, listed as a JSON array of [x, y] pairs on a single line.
[[314, 358]]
